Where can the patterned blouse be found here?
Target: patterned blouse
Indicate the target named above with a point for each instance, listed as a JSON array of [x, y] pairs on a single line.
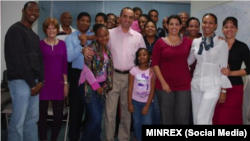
[[97, 66]]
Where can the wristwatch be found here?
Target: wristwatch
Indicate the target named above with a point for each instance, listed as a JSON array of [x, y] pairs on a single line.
[[224, 91], [82, 45]]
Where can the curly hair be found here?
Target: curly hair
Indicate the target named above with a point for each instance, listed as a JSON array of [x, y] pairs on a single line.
[[137, 55]]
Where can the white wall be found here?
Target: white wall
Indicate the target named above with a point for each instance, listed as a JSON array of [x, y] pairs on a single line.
[[199, 5], [11, 12], [45, 12], [238, 9]]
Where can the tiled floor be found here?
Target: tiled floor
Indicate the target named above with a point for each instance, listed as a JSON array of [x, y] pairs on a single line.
[[4, 133]]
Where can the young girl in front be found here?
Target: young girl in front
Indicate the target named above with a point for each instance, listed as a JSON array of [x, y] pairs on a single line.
[[141, 92]]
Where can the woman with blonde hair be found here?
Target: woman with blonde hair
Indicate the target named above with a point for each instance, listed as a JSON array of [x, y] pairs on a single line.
[[55, 87]]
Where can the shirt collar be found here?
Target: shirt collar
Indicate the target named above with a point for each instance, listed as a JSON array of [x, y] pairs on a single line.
[[87, 33], [61, 29], [129, 31]]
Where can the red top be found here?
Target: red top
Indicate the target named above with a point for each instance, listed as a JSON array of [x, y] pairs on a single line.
[[172, 61]]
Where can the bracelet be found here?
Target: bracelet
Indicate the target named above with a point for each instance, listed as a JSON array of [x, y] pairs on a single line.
[[224, 91], [42, 84], [65, 82]]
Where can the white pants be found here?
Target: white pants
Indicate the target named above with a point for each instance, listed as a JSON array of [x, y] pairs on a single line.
[[204, 104]]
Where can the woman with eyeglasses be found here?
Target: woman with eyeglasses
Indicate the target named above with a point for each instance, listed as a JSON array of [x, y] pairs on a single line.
[[112, 21]]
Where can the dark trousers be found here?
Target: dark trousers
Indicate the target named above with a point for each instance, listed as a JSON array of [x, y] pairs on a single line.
[[57, 118], [76, 106], [156, 111]]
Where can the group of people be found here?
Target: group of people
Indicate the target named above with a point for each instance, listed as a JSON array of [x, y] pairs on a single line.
[[173, 75]]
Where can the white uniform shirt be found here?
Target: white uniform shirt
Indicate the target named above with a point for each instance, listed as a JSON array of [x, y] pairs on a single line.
[[63, 36], [207, 74]]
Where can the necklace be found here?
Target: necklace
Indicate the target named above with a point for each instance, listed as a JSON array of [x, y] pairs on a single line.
[[52, 44], [174, 43]]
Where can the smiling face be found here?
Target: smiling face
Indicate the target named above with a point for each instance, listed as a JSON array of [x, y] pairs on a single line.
[[154, 16], [83, 24], [30, 13], [150, 29], [143, 57], [229, 30], [66, 19], [141, 21], [193, 28], [209, 25], [137, 14], [51, 31], [184, 17], [111, 23], [174, 26], [126, 19], [102, 36]]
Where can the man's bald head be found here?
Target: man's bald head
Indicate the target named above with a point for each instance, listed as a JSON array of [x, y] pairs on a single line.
[[184, 13], [66, 19], [184, 17]]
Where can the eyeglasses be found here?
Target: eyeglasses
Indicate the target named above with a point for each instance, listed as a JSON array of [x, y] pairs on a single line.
[[112, 20]]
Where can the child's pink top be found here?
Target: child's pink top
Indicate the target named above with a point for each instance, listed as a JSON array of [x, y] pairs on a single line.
[[135, 26], [142, 84]]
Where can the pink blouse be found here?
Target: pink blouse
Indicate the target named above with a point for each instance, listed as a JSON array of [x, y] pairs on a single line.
[[88, 75]]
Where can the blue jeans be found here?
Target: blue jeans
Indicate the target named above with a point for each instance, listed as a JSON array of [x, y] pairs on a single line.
[[156, 112], [94, 109], [140, 119], [25, 112]]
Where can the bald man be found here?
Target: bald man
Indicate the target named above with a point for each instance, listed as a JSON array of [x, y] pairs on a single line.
[[184, 17], [65, 27], [64, 30], [164, 25]]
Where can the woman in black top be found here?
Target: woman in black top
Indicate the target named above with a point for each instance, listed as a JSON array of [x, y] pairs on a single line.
[[229, 107], [150, 35], [150, 38]]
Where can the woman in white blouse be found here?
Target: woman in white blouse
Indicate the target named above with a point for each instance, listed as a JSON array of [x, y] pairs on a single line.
[[207, 83]]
